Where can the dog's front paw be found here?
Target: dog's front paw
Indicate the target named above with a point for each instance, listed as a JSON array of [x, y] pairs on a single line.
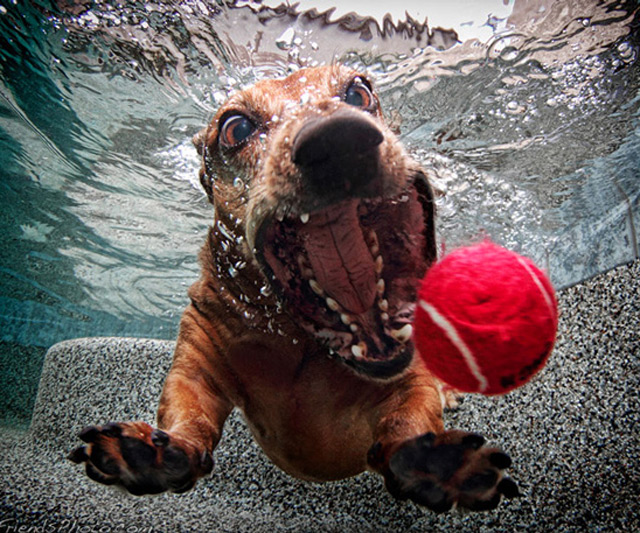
[[440, 471], [140, 458]]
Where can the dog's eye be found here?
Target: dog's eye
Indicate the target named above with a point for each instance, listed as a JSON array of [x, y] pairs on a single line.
[[235, 129], [359, 95]]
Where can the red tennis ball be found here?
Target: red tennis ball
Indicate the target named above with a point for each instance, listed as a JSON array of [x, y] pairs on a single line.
[[486, 319]]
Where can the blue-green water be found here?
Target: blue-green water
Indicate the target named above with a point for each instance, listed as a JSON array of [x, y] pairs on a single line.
[[531, 132]]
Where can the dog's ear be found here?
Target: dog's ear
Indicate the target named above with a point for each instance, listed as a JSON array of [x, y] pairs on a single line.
[[199, 140]]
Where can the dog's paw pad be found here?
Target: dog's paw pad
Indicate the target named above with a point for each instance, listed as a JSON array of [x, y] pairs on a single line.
[[447, 470], [140, 458]]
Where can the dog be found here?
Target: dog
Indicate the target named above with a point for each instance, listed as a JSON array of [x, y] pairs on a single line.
[[302, 316]]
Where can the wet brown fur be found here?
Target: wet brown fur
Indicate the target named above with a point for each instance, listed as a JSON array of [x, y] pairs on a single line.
[[313, 416]]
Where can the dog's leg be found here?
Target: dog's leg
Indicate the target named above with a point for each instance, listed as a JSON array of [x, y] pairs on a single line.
[[433, 467], [147, 460]]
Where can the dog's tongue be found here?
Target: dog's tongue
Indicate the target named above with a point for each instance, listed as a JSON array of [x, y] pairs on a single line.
[[340, 258]]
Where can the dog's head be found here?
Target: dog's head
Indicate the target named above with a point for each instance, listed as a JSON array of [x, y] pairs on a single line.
[[339, 219]]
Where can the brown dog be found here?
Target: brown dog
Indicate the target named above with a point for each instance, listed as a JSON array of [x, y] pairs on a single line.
[[302, 315]]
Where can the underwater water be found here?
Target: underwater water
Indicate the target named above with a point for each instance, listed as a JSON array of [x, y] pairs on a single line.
[[527, 113]]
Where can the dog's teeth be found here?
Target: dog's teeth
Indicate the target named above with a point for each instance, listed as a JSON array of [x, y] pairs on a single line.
[[383, 305], [380, 286], [332, 304], [315, 287], [384, 317], [374, 245], [379, 265], [403, 334], [305, 267], [359, 350], [304, 218], [347, 320]]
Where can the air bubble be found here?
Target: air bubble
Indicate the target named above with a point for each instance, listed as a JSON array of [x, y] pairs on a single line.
[[285, 41], [224, 230], [625, 51], [265, 290], [509, 53]]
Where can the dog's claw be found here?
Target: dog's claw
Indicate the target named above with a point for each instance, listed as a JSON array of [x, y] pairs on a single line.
[[509, 488], [79, 455], [89, 434], [141, 459], [445, 470], [159, 438]]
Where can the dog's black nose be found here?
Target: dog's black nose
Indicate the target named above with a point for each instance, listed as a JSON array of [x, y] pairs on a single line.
[[338, 154]]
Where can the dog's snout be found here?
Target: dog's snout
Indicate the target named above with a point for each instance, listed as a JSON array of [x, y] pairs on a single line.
[[337, 153], [332, 137]]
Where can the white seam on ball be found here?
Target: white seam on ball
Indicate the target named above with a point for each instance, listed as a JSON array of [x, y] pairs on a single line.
[[452, 334], [541, 287]]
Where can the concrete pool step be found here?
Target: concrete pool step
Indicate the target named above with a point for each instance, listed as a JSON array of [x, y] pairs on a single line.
[[573, 434]]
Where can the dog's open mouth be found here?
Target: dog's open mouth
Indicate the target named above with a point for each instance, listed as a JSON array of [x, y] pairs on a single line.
[[349, 273]]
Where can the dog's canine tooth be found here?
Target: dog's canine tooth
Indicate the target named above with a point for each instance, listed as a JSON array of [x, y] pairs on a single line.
[[384, 317], [403, 334], [354, 328], [359, 350], [379, 264], [315, 287], [304, 218], [332, 304], [383, 305], [380, 286], [346, 319]]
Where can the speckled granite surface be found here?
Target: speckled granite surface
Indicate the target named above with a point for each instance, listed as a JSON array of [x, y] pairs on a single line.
[[573, 433]]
